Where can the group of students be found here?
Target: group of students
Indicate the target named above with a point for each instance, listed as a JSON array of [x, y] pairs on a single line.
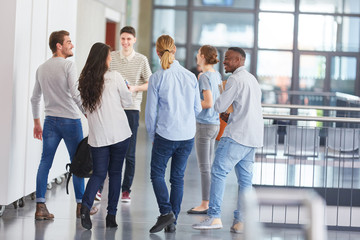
[[56, 80], [180, 110]]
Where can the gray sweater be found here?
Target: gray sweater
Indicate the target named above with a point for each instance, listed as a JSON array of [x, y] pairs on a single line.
[[56, 80]]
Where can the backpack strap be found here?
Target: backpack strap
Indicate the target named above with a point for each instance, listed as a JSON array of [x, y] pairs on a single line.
[[68, 178]]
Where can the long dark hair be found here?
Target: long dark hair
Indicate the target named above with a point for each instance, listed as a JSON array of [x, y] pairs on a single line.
[[91, 81]]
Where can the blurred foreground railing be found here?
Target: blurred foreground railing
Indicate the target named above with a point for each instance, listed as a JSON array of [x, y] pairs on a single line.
[[323, 156], [312, 203]]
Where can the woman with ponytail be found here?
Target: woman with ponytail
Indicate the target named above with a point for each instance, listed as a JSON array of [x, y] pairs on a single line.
[[104, 94], [173, 102], [207, 122]]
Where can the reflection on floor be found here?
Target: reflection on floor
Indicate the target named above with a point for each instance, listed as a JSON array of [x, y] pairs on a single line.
[[135, 218]]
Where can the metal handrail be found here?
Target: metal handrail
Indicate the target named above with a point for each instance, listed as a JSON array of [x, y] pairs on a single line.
[[331, 108], [311, 118], [341, 95]]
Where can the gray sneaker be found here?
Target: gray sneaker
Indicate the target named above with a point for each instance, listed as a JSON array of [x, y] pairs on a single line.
[[237, 227], [208, 223]]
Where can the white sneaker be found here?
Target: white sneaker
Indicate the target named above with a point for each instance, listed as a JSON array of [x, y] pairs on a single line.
[[208, 223]]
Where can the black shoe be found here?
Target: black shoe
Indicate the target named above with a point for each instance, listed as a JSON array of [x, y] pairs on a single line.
[[111, 221], [170, 228], [85, 217], [163, 221], [192, 211]]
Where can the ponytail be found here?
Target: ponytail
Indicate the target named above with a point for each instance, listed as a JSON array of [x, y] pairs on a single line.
[[165, 46]]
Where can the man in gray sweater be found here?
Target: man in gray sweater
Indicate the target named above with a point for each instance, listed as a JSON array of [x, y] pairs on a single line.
[[56, 81]]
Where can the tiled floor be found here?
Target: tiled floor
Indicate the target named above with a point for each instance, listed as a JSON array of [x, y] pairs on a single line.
[[135, 218]]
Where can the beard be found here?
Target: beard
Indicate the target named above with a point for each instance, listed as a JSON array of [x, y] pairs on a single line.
[[229, 71], [68, 53]]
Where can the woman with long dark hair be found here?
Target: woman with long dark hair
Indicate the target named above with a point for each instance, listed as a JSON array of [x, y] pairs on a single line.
[[104, 94]]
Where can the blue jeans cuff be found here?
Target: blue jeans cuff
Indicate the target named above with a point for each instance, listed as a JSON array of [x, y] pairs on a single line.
[[40, 200]]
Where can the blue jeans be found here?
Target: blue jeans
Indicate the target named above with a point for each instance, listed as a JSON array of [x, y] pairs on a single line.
[[162, 151], [230, 154], [55, 129], [133, 119], [106, 159]]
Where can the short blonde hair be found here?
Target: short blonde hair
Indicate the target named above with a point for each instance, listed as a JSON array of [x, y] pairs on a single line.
[[165, 46]]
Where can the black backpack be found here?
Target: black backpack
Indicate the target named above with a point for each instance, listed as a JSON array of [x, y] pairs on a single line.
[[82, 164]]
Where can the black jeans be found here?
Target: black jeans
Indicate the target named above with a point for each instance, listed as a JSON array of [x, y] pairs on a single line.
[[107, 159], [133, 119]]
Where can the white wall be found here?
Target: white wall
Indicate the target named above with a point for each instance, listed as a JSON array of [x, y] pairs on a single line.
[[7, 15], [91, 25], [26, 26], [38, 53]]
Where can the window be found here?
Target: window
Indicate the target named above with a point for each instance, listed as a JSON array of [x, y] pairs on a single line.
[[319, 40], [170, 22], [248, 4], [312, 73], [276, 30], [330, 6], [171, 2], [274, 69], [328, 33], [277, 5], [223, 29], [343, 74]]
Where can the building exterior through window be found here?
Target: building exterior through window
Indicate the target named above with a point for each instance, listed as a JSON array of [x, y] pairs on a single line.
[[301, 45]]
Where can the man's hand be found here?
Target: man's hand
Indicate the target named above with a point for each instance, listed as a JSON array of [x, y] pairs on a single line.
[[37, 129], [224, 116], [132, 88]]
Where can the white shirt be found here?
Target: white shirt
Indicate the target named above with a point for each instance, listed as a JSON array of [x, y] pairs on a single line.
[[246, 124], [108, 124]]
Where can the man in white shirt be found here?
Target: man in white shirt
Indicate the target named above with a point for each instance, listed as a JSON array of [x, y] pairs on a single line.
[[135, 69], [243, 134]]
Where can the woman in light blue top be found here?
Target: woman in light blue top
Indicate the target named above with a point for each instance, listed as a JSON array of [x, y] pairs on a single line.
[[173, 102], [207, 122]]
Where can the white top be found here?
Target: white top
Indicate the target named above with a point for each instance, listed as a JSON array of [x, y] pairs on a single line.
[[245, 124], [135, 69], [108, 124], [56, 80]]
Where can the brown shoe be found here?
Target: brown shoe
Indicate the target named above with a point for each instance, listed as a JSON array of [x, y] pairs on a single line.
[[93, 210], [42, 212]]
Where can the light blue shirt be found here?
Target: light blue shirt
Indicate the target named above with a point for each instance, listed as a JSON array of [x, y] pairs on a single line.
[[172, 104], [209, 81], [245, 125]]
